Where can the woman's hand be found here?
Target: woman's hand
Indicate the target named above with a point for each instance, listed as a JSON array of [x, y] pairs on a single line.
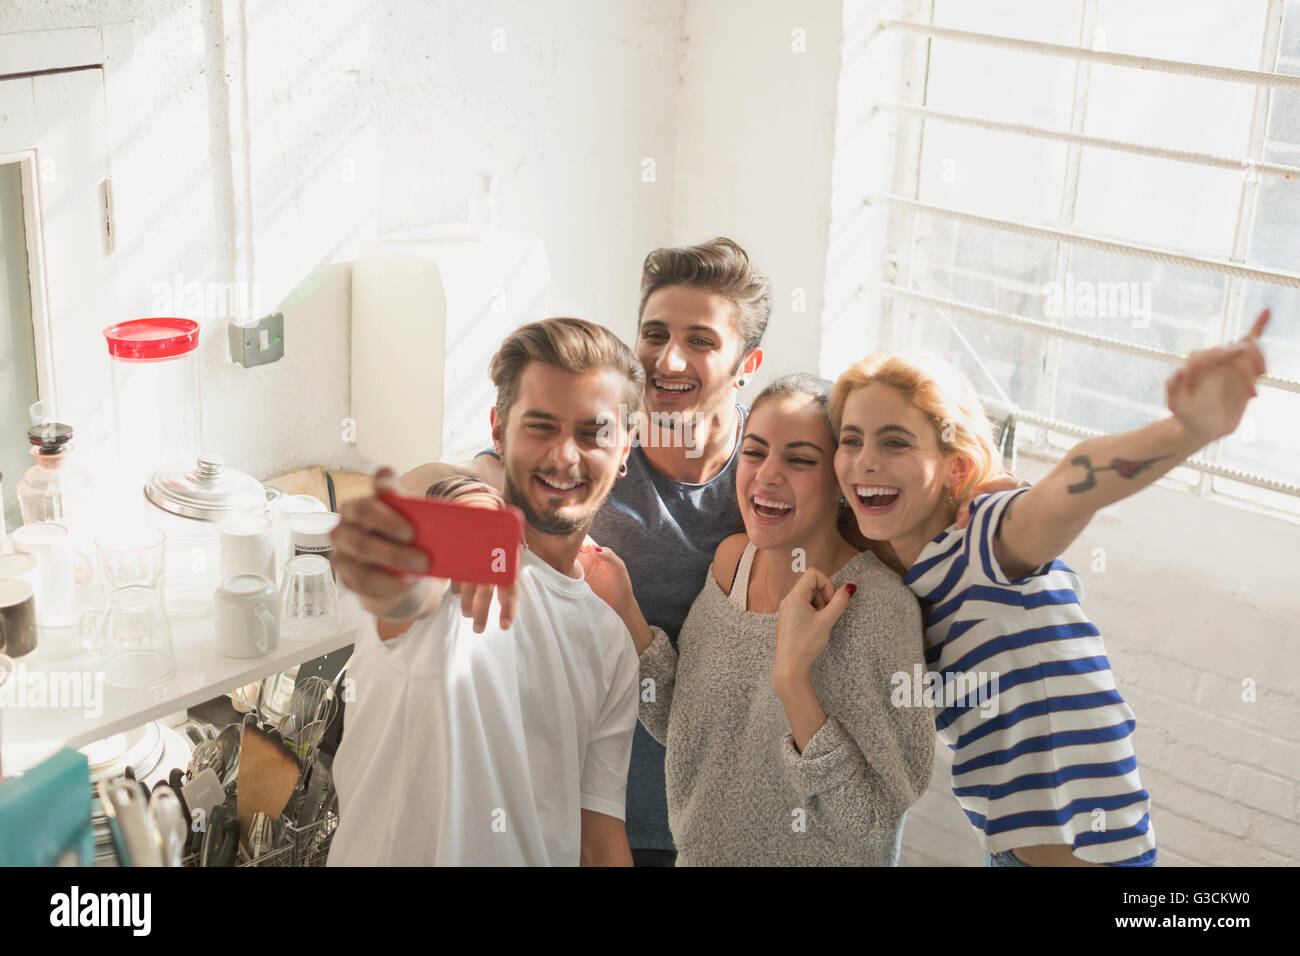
[[1208, 395], [803, 627], [607, 575]]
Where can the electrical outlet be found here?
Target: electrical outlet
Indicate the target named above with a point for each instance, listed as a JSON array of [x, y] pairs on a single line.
[[259, 344]]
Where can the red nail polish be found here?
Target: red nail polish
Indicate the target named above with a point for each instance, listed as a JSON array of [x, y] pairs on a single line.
[[851, 588], [599, 548]]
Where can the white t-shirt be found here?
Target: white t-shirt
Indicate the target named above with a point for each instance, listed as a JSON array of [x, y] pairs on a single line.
[[482, 749]]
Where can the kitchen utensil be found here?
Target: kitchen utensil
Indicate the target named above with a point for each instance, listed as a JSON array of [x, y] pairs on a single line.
[[126, 807], [205, 755], [246, 616], [261, 835], [176, 780], [268, 774], [221, 838], [320, 781], [308, 740], [17, 617], [169, 824], [228, 753], [203, 792], [247, 545], [309, 607], [313, 700], [135, 637]]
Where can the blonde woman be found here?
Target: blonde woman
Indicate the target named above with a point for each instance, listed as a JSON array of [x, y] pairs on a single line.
[[1043, 761]]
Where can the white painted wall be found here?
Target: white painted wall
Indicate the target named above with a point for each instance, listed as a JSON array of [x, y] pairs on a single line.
[[264, 142]]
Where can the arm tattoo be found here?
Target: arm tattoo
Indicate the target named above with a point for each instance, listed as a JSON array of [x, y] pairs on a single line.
[[1126, 468]]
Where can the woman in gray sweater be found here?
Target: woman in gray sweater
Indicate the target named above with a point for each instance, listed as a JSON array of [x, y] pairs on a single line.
[[781, 752]]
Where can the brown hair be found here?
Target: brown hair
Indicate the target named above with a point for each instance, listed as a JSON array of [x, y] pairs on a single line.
[[719, 266], [943, 393], [573, 345]]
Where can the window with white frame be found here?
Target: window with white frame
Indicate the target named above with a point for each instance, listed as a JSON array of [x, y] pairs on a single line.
[[1103, 186]]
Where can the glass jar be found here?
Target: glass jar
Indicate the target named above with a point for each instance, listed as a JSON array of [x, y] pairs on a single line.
[[57, 488], [189, 503], [156, 406]]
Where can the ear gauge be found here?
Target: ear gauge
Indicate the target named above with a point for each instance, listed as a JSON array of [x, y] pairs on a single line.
[[742, 381], [622, 470]]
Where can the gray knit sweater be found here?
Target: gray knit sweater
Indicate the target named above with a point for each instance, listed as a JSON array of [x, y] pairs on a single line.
[[739, 793]]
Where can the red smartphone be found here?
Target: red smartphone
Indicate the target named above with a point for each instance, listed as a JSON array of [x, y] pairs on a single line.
[[475, 545]]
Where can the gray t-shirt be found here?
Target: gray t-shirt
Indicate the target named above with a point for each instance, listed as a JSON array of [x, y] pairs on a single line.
[[666, 532]]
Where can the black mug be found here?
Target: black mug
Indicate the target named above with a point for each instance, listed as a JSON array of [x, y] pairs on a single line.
[[17, 618]]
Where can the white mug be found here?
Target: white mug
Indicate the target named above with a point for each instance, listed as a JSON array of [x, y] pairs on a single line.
[[50, 544], [247, 546], [246, 615]]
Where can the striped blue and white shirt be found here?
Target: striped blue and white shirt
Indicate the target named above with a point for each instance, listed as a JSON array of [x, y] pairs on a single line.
[[1042, 740]]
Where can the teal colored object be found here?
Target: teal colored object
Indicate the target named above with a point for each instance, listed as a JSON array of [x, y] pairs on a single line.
[[45, 814]]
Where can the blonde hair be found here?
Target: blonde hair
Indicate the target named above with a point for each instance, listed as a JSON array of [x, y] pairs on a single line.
[[573, 345], [946, 397], [719, 266]]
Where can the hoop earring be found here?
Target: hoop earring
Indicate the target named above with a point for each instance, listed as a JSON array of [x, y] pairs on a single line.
[[622, 470]]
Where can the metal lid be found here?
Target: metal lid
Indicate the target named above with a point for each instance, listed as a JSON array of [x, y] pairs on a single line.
[[208, 490]]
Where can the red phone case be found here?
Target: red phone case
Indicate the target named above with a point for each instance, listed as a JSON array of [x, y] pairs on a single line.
[[475, 545]]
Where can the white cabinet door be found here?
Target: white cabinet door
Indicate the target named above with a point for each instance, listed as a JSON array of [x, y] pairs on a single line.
[[57, 277]]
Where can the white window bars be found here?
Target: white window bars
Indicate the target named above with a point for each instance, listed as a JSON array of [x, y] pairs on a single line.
[[1006, 416]]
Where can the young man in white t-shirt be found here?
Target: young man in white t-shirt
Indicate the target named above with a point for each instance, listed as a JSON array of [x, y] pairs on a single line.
[[504, 747]]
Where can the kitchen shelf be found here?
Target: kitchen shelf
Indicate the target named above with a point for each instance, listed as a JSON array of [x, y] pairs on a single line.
[[30, 731]]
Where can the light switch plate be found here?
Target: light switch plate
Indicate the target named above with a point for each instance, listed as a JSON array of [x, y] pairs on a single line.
[[259, 344]]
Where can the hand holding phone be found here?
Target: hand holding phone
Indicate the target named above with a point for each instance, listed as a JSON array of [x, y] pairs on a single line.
[[464, 543]]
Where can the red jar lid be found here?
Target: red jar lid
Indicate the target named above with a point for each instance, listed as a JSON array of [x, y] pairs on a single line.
[[144, 339]]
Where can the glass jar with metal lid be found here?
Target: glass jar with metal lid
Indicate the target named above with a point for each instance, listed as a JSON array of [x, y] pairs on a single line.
[[189, 502]]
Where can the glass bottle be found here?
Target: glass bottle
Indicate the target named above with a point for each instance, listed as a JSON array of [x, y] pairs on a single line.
[[57, 488]]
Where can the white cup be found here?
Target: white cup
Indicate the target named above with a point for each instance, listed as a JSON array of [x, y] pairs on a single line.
[[23, 567], [283, 511], [50, 544], [246, 615], [247, 546]]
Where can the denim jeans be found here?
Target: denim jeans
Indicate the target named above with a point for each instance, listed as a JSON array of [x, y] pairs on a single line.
[[1005, 858]]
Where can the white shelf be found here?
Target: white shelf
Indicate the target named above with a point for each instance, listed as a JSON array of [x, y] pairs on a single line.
[[31, 731]]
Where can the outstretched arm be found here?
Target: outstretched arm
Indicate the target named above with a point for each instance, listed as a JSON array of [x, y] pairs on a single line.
[[1208, 395]]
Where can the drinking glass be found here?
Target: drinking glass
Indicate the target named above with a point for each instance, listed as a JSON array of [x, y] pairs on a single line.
[[133, 554], [134, 636], [309, 600]]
